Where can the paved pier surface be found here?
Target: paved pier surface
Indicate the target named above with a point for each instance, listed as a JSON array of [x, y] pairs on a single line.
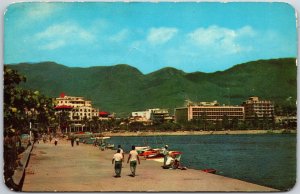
[[86, 168]]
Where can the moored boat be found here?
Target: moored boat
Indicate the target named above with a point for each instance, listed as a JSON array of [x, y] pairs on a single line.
[[210, 170]]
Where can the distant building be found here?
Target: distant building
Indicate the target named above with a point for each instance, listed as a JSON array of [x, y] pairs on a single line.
[[160, 116], [78, 108], [105, 115], [284, 120], [150, 116], [255, 108], [211, 111], [142, 115]]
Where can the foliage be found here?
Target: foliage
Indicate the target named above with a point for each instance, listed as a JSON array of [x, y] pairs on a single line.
[[136, 126], [168, 126], [22, 106]]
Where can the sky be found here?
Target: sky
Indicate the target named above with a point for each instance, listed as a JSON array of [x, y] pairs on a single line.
[[205, 37]]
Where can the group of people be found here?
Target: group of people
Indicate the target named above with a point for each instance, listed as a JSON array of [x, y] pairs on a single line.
[[37, 137], [118, 159], [170, 160]]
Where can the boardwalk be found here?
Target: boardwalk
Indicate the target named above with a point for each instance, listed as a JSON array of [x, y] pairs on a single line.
[[86, 168]]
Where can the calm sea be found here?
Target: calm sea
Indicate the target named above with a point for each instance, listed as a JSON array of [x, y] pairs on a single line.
[[268, 159]]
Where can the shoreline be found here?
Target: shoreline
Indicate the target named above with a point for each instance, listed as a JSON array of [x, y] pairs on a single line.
[[170, 133]]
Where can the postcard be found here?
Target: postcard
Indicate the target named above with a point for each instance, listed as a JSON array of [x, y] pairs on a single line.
[[150, 96]]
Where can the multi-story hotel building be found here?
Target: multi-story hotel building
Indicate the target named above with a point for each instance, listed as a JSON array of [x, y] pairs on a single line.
[[258, 108], [211, 111], [77, 107], [150, 115]]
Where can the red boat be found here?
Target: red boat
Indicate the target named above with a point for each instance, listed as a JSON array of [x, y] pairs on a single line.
[[210, 170], [148, 153]]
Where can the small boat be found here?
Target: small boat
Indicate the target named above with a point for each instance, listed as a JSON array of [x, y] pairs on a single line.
[[153, 154], [110, 146], [148, 153], [210, 170], [141, 149]]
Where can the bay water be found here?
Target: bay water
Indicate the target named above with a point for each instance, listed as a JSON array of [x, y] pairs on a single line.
[[264, 159]]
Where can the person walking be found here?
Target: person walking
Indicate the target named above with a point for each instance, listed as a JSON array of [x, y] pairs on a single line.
[[50, 138], [77, 141], [121, 150], [118, 159], [72, 140], [55, 141], [133, 158]]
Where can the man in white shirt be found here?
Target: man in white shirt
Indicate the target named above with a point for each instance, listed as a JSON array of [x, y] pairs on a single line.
[[118, 158], [121, 150], [133, 157]]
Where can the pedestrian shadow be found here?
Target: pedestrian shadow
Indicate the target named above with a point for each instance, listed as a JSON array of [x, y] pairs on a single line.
[[131, 175]]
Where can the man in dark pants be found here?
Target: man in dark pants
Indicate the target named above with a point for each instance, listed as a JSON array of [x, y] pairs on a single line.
[[72, 141], [133, 158], [118, 158]]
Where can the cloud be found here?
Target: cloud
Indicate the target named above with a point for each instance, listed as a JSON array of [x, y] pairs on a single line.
[[41, 10], [246, 31], [58, 35], [53, 45], [28, 15], [161, 35], [222, 40], [120, 36]]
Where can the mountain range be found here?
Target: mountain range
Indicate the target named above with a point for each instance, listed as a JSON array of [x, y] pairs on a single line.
[[123, 88]]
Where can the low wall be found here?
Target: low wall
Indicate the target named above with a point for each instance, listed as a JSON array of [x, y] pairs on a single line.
[[19, 173]]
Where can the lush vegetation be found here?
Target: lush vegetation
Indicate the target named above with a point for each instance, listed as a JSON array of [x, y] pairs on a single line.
[[22, 106], [123, 89], [23, 109]]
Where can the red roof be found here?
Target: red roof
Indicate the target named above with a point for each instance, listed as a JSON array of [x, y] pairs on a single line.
[[63, 107], [102, 113], [62, 95]]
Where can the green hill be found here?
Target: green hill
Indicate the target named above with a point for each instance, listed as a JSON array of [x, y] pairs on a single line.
[[123, 89]]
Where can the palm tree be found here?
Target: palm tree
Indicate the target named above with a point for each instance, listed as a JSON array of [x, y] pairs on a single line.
[[85, 121], [95, 123]]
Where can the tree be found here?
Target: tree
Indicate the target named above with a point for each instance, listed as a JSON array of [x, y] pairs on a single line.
[[225, 122], [95, 123], [136, 126], [22, 106], [256, 121], [218, 125], [235, 123], [203, 120]]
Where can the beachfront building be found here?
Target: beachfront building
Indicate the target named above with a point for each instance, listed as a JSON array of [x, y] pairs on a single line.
[[258, 109], [210, 111], [105, 116], [151, 116], [76, 108]]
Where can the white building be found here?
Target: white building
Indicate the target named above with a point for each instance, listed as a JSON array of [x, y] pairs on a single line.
[[149, 115], [77, 107]]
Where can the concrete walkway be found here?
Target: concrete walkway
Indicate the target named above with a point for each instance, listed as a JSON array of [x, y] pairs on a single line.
[[86, 168]]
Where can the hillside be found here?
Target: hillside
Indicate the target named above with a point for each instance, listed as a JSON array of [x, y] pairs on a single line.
[[122, 88]]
